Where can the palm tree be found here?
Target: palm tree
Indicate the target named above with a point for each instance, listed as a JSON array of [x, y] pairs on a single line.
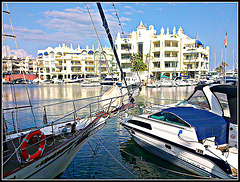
[[221, 67], [137, 64]]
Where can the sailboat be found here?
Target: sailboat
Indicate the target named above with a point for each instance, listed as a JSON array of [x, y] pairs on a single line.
[[39, 142]]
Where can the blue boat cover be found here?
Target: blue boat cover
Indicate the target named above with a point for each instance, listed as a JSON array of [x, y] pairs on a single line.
[[207, 124]]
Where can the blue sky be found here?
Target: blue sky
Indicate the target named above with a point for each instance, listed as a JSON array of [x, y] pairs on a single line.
[[39, 25]]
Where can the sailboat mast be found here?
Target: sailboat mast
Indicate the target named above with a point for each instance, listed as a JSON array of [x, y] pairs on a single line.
[[233, 66], [149, 61], [105, 25]]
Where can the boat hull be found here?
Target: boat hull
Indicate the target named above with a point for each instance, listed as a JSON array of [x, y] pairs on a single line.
[[177, 156], [55, 162]]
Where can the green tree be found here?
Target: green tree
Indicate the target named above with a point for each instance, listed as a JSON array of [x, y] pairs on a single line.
[[221, 67], [137, 65]]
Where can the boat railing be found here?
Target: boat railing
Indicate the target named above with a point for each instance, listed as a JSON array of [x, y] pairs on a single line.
[[153, 103], [84, 112]]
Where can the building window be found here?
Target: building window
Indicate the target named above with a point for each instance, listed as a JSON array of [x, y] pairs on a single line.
[[140, 49], [126, 47], [170, 64], [125, 56]]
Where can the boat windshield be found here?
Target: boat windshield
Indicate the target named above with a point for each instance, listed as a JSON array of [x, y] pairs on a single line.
[[222, 97], [197, 100]]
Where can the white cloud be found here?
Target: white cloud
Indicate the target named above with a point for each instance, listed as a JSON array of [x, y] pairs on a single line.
[[72, 25], [134, 10], [128, 13], [19, 53]]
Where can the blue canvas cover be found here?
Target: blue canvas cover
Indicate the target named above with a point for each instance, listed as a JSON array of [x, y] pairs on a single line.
[[207, 124]]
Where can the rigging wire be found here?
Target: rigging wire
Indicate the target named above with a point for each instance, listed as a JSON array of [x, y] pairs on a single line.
[[105, 25], [118, 20], [99, 41], [12, 64]]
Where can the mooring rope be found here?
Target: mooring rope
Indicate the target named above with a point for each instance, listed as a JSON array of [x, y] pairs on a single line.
[[115, 158], [192, 175]]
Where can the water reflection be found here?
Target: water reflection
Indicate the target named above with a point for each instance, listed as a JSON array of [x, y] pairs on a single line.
[[46, 94], [148, 166], [86, 165]]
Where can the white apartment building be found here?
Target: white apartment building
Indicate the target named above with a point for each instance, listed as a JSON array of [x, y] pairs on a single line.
[[64, 62], [170, 54], [19, 65]]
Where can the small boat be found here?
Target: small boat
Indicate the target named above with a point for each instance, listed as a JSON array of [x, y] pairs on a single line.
[[19, 81], [4, 81], [131, 82], [47, 81], [182, 81], [91, 83], [153, 84], [109, 80], [199, 134], [230, 80], [167, 83], [76, 80], [57, 81]]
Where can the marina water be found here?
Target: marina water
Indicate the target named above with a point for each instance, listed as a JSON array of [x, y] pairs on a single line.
[[111, 153]]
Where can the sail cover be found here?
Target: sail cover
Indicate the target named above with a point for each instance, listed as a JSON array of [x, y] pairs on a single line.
[[207, 124], [113, 99]]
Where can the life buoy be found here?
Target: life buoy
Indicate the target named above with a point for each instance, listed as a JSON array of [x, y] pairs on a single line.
[[233, 136], [26, 139], [196, 80]]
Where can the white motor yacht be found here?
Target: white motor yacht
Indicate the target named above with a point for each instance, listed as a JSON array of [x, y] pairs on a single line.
[[199, 134]]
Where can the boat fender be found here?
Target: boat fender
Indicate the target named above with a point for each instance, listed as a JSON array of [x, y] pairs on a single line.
[[26, 139], [180, 132]]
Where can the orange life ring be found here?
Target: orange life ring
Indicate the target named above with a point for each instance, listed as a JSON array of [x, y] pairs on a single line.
[[233, 136], [26, 139], [196, 80]]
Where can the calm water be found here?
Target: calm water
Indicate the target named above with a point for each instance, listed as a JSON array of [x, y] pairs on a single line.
[[111, 153]]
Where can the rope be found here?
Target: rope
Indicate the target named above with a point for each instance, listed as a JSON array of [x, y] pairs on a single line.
[[118, 19], [12, 29], [116, 159], [23, 71], [98, 40], [154, 164]]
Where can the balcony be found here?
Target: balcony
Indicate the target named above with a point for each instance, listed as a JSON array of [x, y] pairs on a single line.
[[156, 49], [76, 70], [157, 59], [191, 60], [156, 69], [89, 65], [78, 66], [170, 58], [169, 48], [171, 69]]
